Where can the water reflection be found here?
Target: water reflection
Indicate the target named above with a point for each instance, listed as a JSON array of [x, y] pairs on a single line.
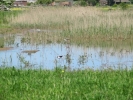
[[48, 56]]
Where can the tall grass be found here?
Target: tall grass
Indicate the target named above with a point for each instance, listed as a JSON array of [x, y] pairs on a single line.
[[79, 21], [16, 84], [1, 42], [5, 17]]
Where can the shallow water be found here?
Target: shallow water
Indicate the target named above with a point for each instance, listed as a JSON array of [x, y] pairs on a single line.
[[50, 56]]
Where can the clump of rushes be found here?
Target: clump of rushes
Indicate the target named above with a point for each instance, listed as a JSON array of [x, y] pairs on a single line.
[[66, 85], [1, 42]]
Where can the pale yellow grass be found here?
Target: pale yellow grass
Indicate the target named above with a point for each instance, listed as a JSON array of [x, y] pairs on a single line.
[[75, 18]]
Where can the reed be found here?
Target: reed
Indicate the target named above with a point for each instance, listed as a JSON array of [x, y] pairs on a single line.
[[79, 21]]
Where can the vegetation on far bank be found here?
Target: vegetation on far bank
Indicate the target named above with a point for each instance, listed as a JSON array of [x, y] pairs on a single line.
[[76, 23], [79, 21], [82, 25], [64, 85]]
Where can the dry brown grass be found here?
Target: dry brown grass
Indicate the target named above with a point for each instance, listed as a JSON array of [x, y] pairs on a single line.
[[76, 16], [79, 22]]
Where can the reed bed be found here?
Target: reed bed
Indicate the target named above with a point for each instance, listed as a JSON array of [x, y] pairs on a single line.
[[62, 85], [79, 22]]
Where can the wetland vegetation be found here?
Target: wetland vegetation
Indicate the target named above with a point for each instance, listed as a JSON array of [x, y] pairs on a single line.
[[88, 22], [60, 38]]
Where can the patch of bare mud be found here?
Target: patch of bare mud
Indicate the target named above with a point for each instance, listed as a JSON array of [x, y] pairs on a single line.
[[30, 51], [5, 48]]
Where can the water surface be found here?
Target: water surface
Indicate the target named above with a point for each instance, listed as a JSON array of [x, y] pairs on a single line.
[[52, 55]]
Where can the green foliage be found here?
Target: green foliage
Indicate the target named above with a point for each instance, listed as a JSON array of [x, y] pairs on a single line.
[[1, 42], [92, 2], [7, 2], [83, 3], [98, 4], [110, 2], [115, 5], [88, 2], [5, 16], [131, 1], [43, 1], [123, 6], [29, 4], [16, 84]]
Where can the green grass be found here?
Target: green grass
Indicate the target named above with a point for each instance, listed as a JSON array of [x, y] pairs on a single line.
[[16, 84], [5, 18], [5, 15], [1, 42]]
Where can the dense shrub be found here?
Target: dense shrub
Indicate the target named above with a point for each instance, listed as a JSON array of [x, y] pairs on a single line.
[[83, 3], [43, 1], [115, 5], [92, 2], [131, 1], [123, 6]]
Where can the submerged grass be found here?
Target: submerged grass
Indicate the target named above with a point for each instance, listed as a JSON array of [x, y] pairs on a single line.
[[63, 85]]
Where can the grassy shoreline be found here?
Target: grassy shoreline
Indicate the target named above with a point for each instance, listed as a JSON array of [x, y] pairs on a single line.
[[62, 85]]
